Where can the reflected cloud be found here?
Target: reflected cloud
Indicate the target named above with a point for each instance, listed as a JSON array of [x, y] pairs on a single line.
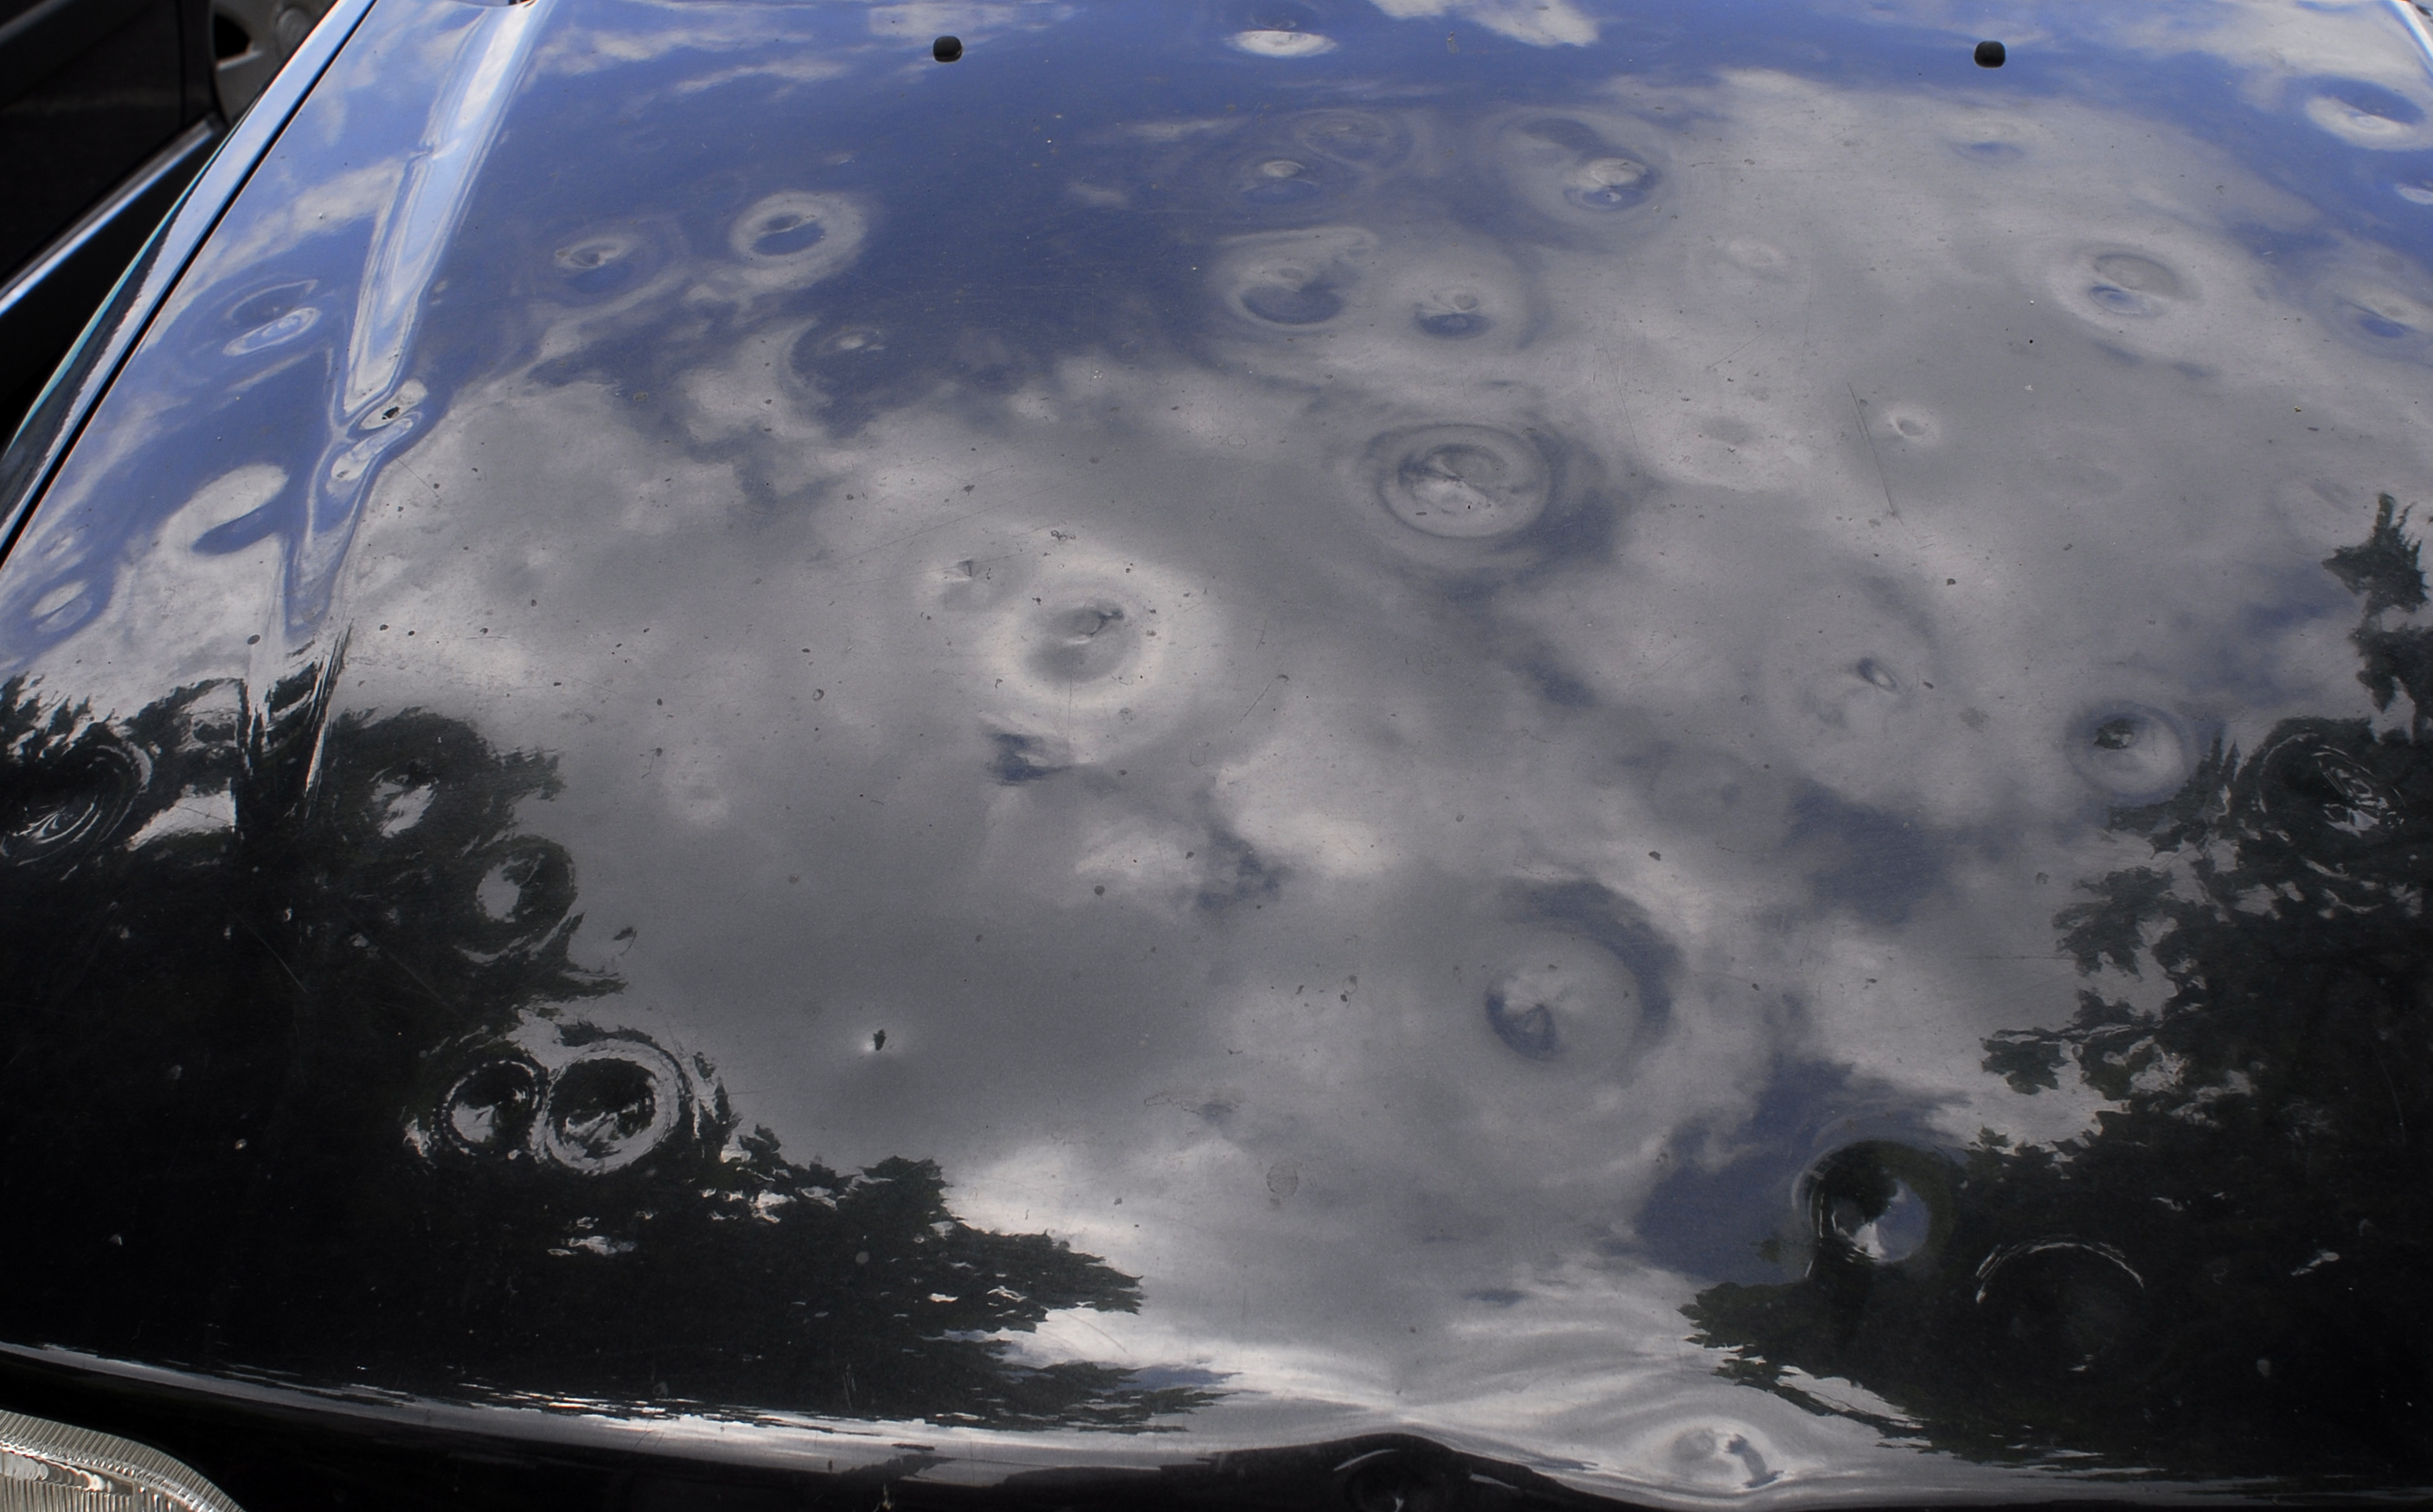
[[1269, 41], [1438, 727], [929, 18], [1556, 23], [405, 962], [2036, 1271]]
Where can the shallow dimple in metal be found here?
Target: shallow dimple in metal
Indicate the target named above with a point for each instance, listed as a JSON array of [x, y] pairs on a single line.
[[1678, 745]]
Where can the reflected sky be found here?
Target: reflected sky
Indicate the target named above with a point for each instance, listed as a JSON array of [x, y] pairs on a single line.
[[1386, 662]]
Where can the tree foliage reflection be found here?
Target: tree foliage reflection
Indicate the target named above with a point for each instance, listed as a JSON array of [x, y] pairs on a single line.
[[296, 1077], [2227, 1275]]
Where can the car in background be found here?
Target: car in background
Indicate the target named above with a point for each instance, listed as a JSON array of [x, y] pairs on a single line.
[[250, 40], [1328, 754], [106, 109]]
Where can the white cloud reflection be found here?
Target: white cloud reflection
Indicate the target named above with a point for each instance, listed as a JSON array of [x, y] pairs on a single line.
[[1538, 23], [1173, 802]]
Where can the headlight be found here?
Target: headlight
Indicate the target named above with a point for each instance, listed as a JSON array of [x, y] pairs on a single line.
[[46, 1467]]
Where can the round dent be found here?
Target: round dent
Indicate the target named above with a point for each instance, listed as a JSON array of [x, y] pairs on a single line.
[[2131, 753], [796, 236], [610, 1105], [1564, 998], [1295, 281], [1577, 170], [1469, 482]]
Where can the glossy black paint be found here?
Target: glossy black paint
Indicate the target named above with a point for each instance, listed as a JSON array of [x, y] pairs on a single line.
[[2237, 1337], [1676, 747], [278, 1458]]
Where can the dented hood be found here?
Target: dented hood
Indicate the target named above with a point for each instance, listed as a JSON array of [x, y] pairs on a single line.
[[1678, 742]]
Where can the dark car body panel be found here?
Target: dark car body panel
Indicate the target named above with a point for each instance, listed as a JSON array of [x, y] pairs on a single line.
[[1653, 751]]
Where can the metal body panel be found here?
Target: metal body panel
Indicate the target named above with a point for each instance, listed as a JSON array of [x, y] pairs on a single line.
[[1675, 743]]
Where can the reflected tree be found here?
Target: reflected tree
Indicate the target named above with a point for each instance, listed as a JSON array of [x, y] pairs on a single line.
[[2229, 1273], [296, 1079]]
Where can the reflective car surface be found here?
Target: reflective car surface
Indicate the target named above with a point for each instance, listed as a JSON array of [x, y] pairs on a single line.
[[1678, 743]]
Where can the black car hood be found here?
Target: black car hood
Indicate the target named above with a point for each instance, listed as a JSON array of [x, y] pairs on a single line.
[[1677, 742]]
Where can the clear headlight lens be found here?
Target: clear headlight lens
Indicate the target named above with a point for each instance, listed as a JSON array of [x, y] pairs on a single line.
[[49, 1467]]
